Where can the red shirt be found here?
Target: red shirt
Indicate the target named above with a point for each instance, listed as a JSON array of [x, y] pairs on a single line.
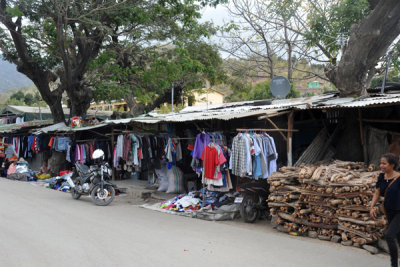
[[211, 162]]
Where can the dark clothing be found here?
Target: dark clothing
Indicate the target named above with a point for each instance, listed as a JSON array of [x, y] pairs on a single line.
[[44, 141], [392, 197], [393, 233]]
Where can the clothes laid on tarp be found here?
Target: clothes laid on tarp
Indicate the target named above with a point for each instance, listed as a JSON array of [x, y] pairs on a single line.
[[202, 204], [253, 155]]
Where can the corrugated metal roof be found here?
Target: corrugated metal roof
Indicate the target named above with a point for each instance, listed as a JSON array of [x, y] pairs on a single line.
[[350, 102], [51, 128], [12, 128], [26, 109], [229, 111]]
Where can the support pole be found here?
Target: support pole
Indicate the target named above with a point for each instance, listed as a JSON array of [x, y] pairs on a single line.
[[172, 97], [289, 140], [362, 137], [112, 149]]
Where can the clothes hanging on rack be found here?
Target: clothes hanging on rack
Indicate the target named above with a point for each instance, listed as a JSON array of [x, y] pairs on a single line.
[[139, 152], [173, 152], [253, 155], [216, 172]]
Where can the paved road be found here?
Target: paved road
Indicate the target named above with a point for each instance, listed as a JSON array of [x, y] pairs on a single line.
[[42, 227]]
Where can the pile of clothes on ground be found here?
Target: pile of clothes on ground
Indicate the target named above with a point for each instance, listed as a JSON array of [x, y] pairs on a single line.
[[204, 204], [22, 171], [58, 183]]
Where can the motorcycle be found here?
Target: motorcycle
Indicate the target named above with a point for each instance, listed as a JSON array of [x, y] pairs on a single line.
[[253, 200], [93, 180]]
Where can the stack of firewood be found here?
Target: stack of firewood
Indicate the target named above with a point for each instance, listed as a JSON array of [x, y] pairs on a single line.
[[284, 194], [331, 200]]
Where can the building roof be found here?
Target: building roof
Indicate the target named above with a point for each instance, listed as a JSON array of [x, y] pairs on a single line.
[[13, 128], [20, 110], [229, 111]]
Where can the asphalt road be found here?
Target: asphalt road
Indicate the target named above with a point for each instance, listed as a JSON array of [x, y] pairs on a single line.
[[42, 227]]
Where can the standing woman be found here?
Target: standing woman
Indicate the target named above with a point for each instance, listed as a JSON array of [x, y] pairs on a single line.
[[388, 186]]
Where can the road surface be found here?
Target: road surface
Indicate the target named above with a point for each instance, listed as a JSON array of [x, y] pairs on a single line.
[[43, 227]]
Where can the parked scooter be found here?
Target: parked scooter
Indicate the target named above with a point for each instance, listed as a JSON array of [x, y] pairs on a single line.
[[253, 200], [93, 180]]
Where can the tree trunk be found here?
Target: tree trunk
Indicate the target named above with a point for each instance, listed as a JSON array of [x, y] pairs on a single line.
[[80, 97], [135, 108], [368, 42], [26, 65]]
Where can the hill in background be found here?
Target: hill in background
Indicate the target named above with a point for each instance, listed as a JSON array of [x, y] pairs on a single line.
[[10, 78]]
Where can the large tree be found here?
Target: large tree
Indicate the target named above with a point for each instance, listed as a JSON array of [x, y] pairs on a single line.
[[147, 75], [348, 36], [53, 41], [369, 40]]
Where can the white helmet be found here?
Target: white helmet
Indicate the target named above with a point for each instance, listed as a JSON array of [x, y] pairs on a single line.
[[98, 154]]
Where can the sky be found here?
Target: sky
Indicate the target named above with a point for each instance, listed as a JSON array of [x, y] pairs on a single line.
[[217, 15]]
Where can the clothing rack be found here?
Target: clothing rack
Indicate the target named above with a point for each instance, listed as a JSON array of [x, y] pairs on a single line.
[[89, 140], [267, 130], [182, 138]]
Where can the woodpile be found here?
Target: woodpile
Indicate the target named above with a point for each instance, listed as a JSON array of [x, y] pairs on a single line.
[[331, 200]]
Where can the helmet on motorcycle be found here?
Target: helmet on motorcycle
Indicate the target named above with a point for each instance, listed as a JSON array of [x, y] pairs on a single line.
[[98, 155]]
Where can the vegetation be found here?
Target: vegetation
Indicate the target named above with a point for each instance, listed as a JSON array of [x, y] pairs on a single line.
[[336, 34], [26, 97], [54, 42]]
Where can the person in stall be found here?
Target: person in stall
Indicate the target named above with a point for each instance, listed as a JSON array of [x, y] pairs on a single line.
[[44, 172], [12, 173], [9, 153]]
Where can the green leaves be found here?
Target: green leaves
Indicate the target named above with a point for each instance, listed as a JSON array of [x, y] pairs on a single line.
[[331, 27], [14, 11]]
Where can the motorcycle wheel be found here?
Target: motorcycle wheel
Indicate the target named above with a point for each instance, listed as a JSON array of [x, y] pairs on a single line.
[[248, 209], [75, 194], [103, 198]]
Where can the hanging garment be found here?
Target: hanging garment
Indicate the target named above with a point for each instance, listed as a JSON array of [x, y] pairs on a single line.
[[211, 160], [202, 140], [273, 156], [238, 156], [30, 145], [127, 146], [68, 154], [115, 160], [83, 154], [10, 151], [61, 144], [120, 147], [135, 157], [77, 153]]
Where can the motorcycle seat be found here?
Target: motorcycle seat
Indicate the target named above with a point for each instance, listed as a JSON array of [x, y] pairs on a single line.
[[82, 168]]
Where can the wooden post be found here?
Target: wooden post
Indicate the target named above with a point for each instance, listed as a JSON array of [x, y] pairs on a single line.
[[362, 138], [112, 152], [289, 140], [276, 127]]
